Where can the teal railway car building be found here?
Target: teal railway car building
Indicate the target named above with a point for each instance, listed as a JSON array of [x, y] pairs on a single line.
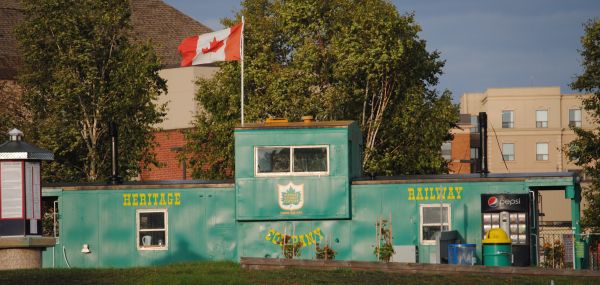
[[296, 179]]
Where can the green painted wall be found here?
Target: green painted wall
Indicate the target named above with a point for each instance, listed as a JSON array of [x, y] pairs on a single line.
[[325, 197], [371, 201], [355, 239], [201, 227]]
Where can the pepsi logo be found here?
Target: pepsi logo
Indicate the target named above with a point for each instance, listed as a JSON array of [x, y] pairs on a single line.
[[493, 202]]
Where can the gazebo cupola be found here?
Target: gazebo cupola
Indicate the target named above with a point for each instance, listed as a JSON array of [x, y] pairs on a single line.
[[20, 186]]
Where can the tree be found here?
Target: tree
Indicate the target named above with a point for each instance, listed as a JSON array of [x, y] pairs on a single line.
[[342, 59], [81, 71], [585, 149], [12, 112]]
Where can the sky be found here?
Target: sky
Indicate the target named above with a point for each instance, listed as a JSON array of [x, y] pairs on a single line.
[[485, 43]]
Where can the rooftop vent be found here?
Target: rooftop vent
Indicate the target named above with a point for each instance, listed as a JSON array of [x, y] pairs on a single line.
[[276, 120], [16, 149], [308, 119], [15, 135]]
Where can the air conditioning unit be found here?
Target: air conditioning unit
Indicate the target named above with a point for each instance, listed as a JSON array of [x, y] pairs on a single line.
[[405, 253]]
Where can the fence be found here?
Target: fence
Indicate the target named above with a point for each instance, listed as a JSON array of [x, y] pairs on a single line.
[[593, 240], [555, 247], [594, 260]]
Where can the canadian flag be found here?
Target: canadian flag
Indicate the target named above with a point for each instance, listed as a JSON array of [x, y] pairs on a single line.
[[216, 46]]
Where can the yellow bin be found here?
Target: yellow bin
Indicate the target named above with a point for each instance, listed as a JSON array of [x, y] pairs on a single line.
[[497, 250]]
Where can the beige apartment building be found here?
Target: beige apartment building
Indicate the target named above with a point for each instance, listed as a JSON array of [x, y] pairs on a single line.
[[528, 128]]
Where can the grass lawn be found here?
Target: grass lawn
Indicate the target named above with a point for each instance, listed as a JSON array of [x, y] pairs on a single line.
[[232, 273]]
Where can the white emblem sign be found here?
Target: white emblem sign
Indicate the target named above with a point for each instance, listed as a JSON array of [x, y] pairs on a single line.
[[291, 196]]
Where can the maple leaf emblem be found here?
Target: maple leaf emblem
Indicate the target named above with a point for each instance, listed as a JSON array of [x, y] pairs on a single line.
[[213, 46], [290, 197]]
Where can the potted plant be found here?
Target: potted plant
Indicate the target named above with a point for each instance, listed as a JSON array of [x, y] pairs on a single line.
[[289, 248], [326, 252], [383, 236]]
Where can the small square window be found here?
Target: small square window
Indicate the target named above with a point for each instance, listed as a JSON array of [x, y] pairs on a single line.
[[508, 151], [434, 218], [541, 151], [310, 159], [273, 159], [508, 119], [152, 229], [575, 118], [541, 118]]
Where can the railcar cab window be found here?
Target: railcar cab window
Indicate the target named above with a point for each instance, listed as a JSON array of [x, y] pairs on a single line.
[[291, 160], [152, 229]]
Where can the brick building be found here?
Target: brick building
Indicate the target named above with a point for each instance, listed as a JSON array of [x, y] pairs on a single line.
[[165, 27], [458, 151]]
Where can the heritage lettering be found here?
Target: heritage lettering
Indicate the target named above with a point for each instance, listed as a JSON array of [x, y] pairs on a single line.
[[151, 199], [437, 193], [309, 238]]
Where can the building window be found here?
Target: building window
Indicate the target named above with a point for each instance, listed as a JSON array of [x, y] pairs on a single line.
[[508, 151], [447, 150], [508, 119], [475, 123], [475, 164], [434, 217], [541, 118], [474, 153], [296, 160], [152, 229], [575, 118], [541, 152], [12, 191]]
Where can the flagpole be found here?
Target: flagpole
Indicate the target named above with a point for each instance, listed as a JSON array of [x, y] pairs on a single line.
[[242, 68]]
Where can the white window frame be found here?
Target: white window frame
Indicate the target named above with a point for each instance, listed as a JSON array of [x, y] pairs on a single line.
[[512, 119], [138, 230], [513, 153], [575, 123], [291, 172], [421, 224], [539, 122], [545, 156]]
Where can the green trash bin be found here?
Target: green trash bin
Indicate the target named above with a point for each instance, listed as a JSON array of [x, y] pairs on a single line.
[[497, 249]]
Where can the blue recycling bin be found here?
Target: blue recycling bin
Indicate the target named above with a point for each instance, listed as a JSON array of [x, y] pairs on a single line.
[[463, 254]]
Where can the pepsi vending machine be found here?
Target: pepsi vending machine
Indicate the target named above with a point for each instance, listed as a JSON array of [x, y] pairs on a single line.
[[509, 212]]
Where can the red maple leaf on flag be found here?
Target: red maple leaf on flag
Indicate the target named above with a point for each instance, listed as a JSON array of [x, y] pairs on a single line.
[[213, 46]]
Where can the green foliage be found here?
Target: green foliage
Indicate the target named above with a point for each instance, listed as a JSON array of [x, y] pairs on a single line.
[[384, 248], [82, 70], [326, 252], [12, 111], [335, 60], [554, 254], [289, 248], [585, 150]]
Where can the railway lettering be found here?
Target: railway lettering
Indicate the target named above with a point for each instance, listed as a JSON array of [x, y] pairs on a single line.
[[438, 193]]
